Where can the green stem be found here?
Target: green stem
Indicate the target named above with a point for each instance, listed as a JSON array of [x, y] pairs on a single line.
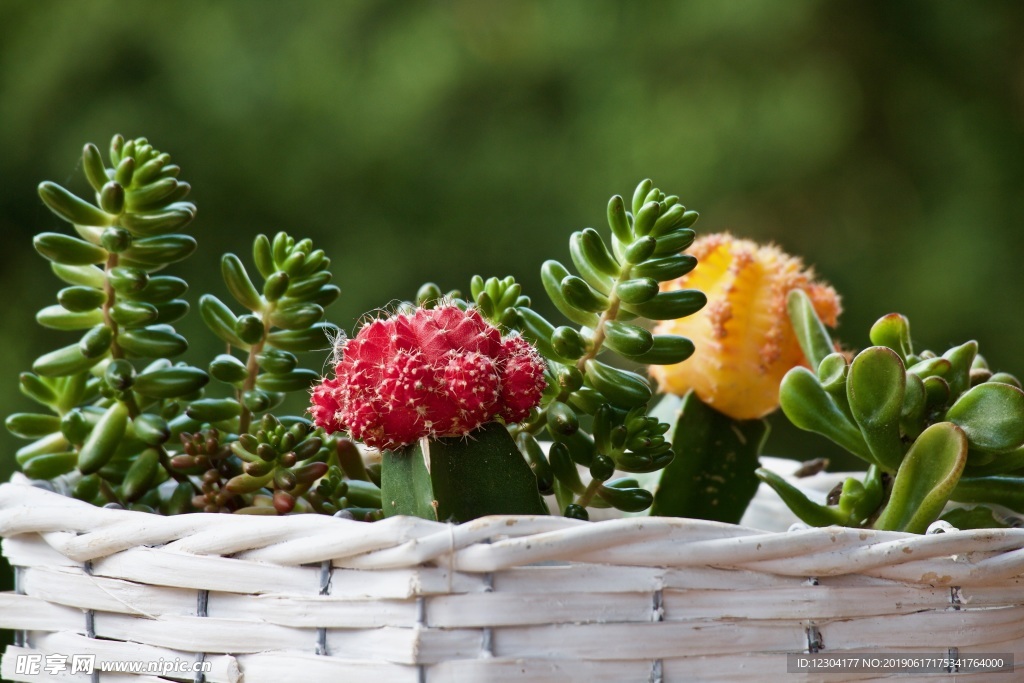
[[108, 289], [609, 315], [110, 494], [588, 495], [252, 369]]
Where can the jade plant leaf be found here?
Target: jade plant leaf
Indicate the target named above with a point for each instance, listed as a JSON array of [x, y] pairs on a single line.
[[808, 406], [459, 479], [960, 358], [712, 475], [893, 331], [991, 415], [810, 332], [995, 463], [796, 500], [875, 390], [977, 517], [926, 479], [1007, 491]]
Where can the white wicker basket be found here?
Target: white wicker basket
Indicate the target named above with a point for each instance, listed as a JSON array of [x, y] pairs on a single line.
[[313, 598]]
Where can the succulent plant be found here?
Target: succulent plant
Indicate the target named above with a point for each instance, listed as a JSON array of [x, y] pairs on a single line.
[[931, 427], [618, 288], [126, 426]]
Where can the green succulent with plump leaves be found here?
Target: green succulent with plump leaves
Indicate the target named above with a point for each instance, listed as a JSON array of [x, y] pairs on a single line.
[[932, 428], [616, 290], [120, 419]]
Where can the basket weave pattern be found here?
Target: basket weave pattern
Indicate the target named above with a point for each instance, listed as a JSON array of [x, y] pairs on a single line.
[[313, 598]]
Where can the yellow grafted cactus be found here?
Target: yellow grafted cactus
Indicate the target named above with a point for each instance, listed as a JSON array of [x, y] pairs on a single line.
[[743, 338]]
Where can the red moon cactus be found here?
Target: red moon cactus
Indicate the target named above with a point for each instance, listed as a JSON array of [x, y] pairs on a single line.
[[437, 372]]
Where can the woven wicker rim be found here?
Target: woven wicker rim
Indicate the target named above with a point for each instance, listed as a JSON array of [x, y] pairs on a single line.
[[82, 532]]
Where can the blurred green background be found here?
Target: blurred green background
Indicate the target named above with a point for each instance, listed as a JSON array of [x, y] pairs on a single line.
[[883, 141]]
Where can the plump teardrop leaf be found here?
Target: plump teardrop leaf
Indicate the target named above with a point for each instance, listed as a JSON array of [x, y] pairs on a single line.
[[157, 223], [239, 284], [796, 500], [627, 339], [151, 429], [133, 313], [152, 252], [219, 318], [567, 342], [666, 268], [96, 341], [296, 317], [991, 415], [893, 331], [276, 360], [315, 338], [156, 341], [81, 299], [213, 409], [578, 294], [875, 390], [59, 318], [68, 360], [296, 380], [170, 382], [537, 330], [32, 425], [537, 459], [229, 369], [552, 273], [85, 276], [92, 164], [621, 387], [677, 303], [67, 250], [584, 261], [104, 439], [50, 465], [666, 349], [926, 479], [627, 499], [674, 242], [71, 208], [563, 467], [618, 221], [809, 407], [140, 475], [637, 290]]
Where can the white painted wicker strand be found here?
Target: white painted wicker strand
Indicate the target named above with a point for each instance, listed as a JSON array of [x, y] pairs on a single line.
[[498, 599]]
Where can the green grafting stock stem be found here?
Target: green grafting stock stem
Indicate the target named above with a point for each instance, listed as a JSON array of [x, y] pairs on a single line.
[[459, 479], [712, 476]]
